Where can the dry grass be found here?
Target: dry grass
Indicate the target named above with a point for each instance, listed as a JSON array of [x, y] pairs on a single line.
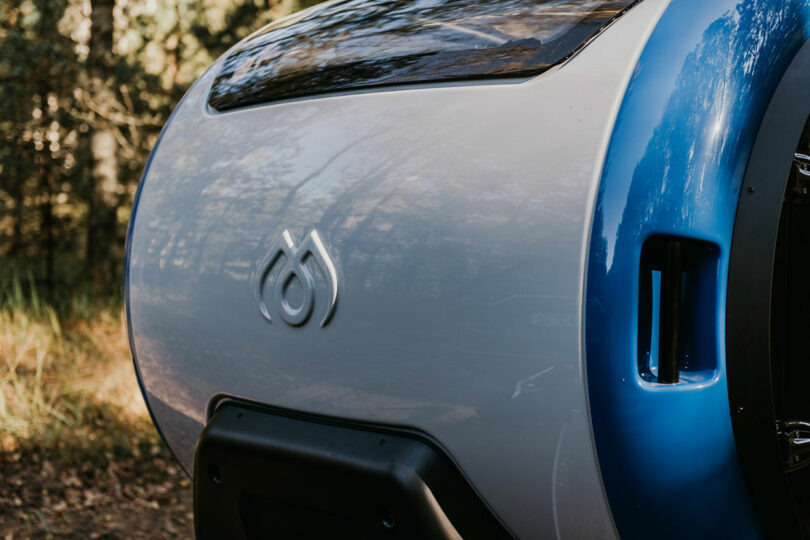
[[78, 455], [57, 377]]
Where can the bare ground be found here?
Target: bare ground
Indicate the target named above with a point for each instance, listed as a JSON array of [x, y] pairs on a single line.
[[104, 497]]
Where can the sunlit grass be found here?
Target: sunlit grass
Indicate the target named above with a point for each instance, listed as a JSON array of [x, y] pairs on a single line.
[[66, 380], [79, 456]]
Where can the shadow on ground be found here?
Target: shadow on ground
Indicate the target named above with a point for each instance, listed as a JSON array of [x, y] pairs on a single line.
[[46, 495]]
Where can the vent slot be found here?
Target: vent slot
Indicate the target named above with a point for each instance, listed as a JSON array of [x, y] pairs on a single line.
[[677, 330]]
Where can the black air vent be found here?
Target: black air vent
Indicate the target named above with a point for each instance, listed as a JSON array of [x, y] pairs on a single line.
[[677, 328]]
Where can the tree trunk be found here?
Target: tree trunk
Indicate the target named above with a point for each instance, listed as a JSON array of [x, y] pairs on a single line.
[[101, 218], [46, 222], [17, 195], [44, 164]]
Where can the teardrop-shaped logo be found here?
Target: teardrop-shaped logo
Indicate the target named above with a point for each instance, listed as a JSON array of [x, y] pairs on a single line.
[[289, 264]]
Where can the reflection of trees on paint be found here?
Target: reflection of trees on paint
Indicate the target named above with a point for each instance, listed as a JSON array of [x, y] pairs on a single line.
[[357, 44], [701, 131], [675, 165]]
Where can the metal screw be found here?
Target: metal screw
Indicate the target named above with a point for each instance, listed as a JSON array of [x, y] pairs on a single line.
[[215, 474]]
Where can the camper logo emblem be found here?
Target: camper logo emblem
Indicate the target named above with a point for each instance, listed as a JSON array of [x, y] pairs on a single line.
[[289, 264]]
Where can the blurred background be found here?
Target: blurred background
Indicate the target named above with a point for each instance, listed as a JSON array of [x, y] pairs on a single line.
[[85, 87]]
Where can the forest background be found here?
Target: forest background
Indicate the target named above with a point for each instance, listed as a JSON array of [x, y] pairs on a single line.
[[85, 87]]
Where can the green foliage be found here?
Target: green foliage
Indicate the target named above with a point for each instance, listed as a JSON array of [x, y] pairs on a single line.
[[84, 85]]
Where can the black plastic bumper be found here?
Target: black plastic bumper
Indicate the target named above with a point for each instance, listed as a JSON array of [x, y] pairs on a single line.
[[267, 474]]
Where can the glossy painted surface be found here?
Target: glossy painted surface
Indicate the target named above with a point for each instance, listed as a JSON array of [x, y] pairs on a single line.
[[675, 165], [455, 218], [348, 44]]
